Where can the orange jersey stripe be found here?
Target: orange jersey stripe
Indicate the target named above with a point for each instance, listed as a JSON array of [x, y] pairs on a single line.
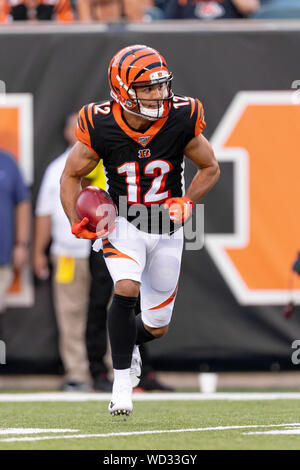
[[82, 131], [200, 123]]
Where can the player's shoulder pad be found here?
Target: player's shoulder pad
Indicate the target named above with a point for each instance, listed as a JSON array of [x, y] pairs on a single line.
[[88, 118], [101, 109], [191, 110], [85, 125], [91, 112], [187, 105]]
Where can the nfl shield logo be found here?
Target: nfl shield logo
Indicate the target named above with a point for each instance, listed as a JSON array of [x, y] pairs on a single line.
[[143, 140]]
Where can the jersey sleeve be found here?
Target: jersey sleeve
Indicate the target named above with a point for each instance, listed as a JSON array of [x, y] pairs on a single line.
[[200, 123], [85, 128], [195, 120]]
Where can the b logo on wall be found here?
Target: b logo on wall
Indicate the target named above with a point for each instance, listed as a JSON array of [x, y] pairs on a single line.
[[260, 133], [16, 136]]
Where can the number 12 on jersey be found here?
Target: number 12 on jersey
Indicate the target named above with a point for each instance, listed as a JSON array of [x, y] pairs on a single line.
[[158, 169]]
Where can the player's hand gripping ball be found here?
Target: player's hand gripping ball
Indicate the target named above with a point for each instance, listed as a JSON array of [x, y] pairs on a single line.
[[180, 208], [98, 213]]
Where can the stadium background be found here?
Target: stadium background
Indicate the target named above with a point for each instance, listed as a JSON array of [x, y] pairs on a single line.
[[65, 68]]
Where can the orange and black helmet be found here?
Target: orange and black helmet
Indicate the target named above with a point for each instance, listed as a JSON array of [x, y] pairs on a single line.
[[136, 66]]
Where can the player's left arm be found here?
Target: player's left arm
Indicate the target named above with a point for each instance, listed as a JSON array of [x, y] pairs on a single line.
[[201, 153], [80, 162]]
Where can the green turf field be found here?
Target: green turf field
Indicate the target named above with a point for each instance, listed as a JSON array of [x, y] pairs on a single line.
[[91, 417]]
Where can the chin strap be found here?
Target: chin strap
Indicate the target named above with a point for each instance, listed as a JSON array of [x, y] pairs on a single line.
[[152, 113]]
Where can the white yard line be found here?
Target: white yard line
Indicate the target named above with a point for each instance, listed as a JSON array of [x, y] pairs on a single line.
[[79, 397], [139, 433], [15, 431], [282, 431]]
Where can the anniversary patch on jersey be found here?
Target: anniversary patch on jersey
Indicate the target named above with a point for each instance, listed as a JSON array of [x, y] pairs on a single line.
[[143, 140]]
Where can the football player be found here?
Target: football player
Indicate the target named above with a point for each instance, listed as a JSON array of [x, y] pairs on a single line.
[[142, 135]]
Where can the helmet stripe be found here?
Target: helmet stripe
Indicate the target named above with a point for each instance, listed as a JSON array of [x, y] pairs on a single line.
[[134, 61], [149, 67], [131, 51], [127, 51]]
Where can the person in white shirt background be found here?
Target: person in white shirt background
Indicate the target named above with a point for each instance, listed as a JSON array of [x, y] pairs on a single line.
[[71, 274]]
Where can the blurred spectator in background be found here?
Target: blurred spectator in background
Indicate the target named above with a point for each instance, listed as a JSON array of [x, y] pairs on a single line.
[[112, 10], [15, 216], [71, 274], [288, 9], [36, 10], [154, 10], [210, 10]]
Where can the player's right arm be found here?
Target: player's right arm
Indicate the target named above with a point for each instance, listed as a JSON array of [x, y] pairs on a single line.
[[80, 162]]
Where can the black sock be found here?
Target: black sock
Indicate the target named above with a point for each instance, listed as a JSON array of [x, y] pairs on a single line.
[[122, 330], [142, 336]]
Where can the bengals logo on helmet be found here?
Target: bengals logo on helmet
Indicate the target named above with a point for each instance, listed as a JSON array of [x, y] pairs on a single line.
[[134, 66]]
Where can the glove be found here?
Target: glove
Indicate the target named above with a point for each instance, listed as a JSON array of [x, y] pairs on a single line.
[[80, 230], [180, 208]]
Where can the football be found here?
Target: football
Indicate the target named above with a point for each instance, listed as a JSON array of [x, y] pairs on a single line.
[[97, 205]]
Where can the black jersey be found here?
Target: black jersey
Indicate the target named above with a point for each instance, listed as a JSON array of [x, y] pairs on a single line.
[[143, 168]]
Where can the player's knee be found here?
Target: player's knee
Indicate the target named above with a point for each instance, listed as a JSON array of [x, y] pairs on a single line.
[[127, 288], [162, 271], [157, 332]]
